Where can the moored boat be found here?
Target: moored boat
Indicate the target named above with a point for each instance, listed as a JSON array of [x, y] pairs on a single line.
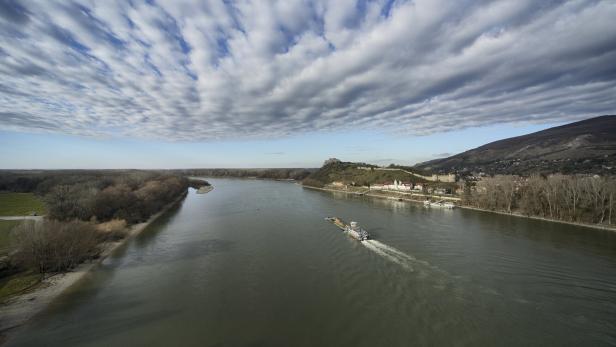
[[439, 204]]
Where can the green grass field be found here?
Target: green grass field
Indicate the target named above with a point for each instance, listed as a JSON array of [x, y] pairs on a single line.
[[5, 227], [20, 204]]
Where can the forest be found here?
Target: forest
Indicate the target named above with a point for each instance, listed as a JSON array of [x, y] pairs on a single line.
[[572, 198], [98, 195], [85, 208]]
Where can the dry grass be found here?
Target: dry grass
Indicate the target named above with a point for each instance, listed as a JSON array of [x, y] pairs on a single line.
[[112, 230], [112, 225]]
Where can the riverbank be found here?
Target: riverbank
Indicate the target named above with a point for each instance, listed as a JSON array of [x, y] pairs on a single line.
[[384, 195], [592, 226], [16, 311]]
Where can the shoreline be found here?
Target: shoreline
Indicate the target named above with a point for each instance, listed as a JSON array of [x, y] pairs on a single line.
[[592, 226], [17, 311], [514, 214]]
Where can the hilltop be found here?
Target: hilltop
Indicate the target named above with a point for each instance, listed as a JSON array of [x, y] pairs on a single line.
[[587, 146], [361, 174]]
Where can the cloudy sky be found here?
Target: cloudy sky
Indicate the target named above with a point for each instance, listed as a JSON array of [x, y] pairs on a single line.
[[178, 83]]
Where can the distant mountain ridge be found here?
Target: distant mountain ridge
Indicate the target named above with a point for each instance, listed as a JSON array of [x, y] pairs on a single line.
[[587, 146]]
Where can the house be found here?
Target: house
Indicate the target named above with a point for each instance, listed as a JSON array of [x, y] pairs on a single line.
[[404, 186]]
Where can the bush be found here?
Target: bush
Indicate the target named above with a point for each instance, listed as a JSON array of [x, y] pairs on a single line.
[[313, 183], [53, 246], [113, 230]]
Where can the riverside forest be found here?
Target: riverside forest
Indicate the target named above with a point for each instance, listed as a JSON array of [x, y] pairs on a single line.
[[83, 210]]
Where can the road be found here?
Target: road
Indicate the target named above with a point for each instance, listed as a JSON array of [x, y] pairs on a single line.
[[21, 217]]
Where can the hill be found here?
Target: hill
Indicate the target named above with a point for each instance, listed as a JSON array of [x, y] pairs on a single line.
[[359, 174], [587, 146]]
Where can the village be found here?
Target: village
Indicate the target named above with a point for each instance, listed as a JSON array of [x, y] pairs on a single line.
[[401, 187]]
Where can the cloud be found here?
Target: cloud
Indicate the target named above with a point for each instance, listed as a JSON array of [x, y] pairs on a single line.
[[206, 70], [442, 155]]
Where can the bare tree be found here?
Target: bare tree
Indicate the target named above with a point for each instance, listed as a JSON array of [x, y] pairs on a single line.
[[507, 188], [52, 246]]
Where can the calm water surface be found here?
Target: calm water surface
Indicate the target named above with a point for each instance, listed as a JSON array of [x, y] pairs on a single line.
[[253, 263]]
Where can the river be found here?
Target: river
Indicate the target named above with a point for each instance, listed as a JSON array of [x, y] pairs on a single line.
[[253, 263]]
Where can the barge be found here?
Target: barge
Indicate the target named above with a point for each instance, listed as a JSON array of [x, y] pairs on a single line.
[[353, 229]]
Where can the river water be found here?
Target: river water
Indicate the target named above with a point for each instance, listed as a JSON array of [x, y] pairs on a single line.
[[253, 263]]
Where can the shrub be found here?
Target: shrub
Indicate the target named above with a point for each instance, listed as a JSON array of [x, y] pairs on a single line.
[[52, 246], [113, 230]]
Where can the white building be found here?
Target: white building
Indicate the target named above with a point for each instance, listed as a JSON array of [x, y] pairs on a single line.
[[395, 185], [377, 186]]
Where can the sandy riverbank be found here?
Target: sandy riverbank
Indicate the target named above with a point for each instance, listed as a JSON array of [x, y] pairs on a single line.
[[16, 311], [391, 197]]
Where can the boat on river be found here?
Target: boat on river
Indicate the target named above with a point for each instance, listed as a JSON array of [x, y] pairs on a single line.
[[352, 229], [439, 204]]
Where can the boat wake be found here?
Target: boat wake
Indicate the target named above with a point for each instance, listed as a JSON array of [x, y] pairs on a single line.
[[441, 279], [391, 254]]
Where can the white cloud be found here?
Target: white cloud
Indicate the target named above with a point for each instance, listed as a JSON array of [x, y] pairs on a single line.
[[201, 70]]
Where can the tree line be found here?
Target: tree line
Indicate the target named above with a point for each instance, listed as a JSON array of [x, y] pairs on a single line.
[[585, 199], [297, 174], [131, 200], [78, 204]]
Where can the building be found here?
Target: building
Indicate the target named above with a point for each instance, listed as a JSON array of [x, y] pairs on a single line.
[[395, 185], [377, 186]]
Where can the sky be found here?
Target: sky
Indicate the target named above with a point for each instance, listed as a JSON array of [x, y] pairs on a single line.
[[180, 83]]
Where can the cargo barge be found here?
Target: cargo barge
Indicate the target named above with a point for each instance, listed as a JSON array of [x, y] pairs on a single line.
[[353, 229]]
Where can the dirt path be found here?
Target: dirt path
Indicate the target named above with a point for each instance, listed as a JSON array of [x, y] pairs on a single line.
[[21, 217]]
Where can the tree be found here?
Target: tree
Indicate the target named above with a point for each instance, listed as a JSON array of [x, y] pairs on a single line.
[[52, 246], [331, 161]]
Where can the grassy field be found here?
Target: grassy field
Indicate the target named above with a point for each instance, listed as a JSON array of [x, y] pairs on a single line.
[[20, 204]]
